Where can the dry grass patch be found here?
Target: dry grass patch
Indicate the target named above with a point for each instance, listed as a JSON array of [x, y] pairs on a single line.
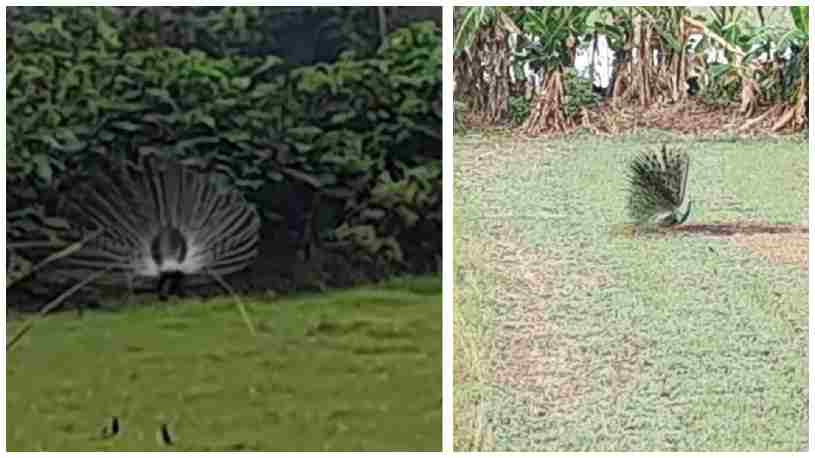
[[789, 248]]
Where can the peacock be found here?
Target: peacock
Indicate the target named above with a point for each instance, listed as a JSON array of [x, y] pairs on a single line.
[[159, 220], [658, 183]]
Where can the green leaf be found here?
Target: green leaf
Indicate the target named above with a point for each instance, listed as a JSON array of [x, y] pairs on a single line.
[[126, 126], [69, 146], [192, 143], [800, 15], [274, 175], [716, 70], [263, 90], [43, 164], [408, 216], [236, 136], [210, 71], [269, 215], [207, 120], [340, 118], [242, 83], [306, 131], [54, 222], [413, 106], [373, 213], [270, 62], [108, 32], [251, 184], [301, 176], [164, 96], [302, 147]]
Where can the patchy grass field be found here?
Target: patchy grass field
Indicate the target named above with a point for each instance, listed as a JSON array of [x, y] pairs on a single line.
[[573, 333], [352, 370]]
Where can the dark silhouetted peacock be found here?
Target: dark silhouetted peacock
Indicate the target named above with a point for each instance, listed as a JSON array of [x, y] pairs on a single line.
[[658, 183], [160, 220]]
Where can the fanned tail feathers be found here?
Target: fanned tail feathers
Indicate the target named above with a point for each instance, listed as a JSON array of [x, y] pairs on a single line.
[[159, 216], [657, 187]]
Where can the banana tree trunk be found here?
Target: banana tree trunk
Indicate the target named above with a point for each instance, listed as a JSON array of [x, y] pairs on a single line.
[[482, 75], [547, 107]]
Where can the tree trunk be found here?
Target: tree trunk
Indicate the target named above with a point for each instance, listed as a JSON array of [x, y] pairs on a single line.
[[547, 108], [483, 75], [593, 58]]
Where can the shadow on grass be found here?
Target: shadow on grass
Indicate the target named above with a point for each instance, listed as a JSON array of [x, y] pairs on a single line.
[[709, 230], [726, 230]]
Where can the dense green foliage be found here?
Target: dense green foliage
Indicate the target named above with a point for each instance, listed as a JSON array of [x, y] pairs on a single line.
[[578, 93], [302, 35], [519, 109], [87, 83], [559, 30]]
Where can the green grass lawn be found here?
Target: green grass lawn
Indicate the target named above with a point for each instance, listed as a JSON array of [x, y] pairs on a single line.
[[350, 370], [600, 340]]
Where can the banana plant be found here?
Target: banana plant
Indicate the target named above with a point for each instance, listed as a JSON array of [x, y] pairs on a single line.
[[554, 33], [557, 31], [482, 59], [635, 34], [797, 40], [730, 35], [472, 19]]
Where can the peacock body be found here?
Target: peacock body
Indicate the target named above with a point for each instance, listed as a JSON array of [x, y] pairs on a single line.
[[159, 219], [658, 183]]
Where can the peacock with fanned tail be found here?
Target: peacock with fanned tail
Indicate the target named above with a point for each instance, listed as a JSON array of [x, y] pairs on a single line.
[[155, 219], [658, 183], [159, 219]]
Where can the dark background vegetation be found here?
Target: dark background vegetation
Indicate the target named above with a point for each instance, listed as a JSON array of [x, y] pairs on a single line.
[[328, 119]]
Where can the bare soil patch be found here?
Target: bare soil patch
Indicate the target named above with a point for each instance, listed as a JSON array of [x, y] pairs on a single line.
[[786, 248], [691, 117], [786, 244]]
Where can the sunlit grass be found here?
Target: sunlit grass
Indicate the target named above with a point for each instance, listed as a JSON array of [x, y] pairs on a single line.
[[608, 338]]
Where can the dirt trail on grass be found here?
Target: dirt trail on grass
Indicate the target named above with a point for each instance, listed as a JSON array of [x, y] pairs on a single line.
[[778, 243], [567, 370], [548, 371], [534, 354], [780, 248]]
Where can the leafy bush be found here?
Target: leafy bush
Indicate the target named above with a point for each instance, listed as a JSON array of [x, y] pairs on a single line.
[[398, 211], [579, 93], [77, 93], [405, 198], [519, 109]]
